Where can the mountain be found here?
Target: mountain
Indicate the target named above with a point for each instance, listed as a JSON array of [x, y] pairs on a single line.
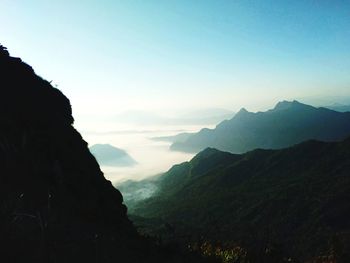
[[55, 204], [292, 202], [108, 155], [287, 124]]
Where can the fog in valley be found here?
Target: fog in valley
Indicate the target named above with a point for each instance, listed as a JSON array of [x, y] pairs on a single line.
[[141, 142]]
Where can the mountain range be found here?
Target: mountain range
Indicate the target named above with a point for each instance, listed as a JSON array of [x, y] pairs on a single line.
[[288, 123], [282, 205], [293, 202]]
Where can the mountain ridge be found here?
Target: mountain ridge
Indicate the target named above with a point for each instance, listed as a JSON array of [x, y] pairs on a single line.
[[288, 123], [293, 199]]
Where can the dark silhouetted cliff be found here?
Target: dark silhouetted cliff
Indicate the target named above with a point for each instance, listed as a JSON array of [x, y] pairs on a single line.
[[55, 204]]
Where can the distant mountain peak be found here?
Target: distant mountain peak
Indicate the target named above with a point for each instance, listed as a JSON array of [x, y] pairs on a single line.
[[242, 112], [207, 152], [284, 105], [290, 122]]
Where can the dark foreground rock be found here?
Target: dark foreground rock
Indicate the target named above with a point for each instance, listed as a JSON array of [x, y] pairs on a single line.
[[55, 204]]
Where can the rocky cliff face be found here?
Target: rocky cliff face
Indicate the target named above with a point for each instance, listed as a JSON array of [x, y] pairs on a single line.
[[55, 204]]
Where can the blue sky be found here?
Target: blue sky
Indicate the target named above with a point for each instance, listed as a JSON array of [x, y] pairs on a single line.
[[111, 56]]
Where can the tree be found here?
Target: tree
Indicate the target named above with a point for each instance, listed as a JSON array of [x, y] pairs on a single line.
[[3, 51]]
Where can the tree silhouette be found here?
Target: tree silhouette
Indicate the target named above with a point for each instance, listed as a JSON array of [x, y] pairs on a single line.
[[3, 51]]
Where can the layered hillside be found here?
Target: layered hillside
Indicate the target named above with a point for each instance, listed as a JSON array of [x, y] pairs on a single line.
[[287, 124], [293, 201]]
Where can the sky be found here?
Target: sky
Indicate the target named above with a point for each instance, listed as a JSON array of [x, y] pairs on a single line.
[[120, 55]]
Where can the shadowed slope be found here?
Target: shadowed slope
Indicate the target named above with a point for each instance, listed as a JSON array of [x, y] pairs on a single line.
[[55, 202]]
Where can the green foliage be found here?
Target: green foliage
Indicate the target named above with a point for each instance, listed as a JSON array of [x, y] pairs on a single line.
[[232, 254]]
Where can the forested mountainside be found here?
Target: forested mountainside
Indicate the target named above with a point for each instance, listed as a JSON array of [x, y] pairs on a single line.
[[293, 202]]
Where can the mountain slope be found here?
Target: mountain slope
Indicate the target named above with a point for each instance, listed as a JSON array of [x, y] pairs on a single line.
[[55, 204], [287, 124], [295, 199]]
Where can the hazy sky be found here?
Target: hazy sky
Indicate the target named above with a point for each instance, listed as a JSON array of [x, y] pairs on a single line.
[[110, 56]]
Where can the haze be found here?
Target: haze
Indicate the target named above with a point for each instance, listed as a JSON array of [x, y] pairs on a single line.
[[172, 58]]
